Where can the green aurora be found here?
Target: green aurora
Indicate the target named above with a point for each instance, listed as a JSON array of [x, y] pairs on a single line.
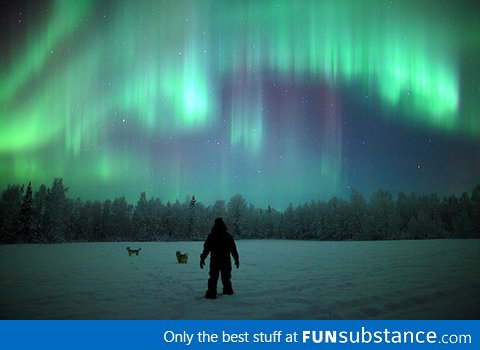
[[173, 97]]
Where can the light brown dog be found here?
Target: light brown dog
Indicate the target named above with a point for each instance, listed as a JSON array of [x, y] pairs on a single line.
[[182, 258], [133, 251]]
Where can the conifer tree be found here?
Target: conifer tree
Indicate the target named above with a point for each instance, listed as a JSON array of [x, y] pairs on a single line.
[[26, 213], [140, 218]]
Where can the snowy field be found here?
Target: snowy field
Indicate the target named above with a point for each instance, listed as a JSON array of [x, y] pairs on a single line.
[[436, 279]]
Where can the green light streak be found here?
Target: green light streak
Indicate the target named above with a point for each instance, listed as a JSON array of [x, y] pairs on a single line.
[[165, 66], [166, 69], [345, 42], [246, 115], [65, 18]]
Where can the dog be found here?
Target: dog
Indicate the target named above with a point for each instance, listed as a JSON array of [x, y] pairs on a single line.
[[133, 251], [182, 258]]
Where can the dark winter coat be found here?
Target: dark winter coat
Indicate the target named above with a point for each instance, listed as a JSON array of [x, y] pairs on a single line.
[[220, 245]]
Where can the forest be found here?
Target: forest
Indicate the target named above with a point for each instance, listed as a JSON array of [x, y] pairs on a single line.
[[50, 216]]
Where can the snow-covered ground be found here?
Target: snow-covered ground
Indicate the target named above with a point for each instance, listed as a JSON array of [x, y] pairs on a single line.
[[436, 279]]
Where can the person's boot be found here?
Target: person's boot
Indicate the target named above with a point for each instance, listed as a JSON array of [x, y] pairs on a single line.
[[211, 294], [227, 291], [227, 287]]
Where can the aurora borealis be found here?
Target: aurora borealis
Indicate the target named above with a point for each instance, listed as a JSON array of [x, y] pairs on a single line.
[[281, 101]]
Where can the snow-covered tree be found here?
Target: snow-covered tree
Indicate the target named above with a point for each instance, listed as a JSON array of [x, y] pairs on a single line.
[[236, 216], [140, 219], [25, 231], [55, 213], [122, 218], [218, 210], [383, 221], [10, 206], [357, 216], [107, 233]]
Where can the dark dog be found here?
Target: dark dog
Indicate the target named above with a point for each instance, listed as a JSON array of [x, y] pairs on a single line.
[[133, 251], [182, 258]]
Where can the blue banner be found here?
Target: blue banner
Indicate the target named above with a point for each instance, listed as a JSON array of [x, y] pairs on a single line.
[[301, 335]]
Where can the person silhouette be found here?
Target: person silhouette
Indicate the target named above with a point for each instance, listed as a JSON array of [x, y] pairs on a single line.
[[220, 244]]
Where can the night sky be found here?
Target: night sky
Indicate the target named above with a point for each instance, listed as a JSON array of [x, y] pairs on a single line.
[[281, 101]]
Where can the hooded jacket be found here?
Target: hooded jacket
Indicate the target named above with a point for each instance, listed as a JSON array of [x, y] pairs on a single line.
[[220, 245]]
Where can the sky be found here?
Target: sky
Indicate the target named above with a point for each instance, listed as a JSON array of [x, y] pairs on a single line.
[[280, 101]]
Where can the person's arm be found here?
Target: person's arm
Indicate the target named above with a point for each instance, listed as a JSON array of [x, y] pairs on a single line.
[[207, 247], [233, 250]]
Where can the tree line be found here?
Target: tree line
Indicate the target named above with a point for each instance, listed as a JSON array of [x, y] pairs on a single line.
[[49, 216]]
